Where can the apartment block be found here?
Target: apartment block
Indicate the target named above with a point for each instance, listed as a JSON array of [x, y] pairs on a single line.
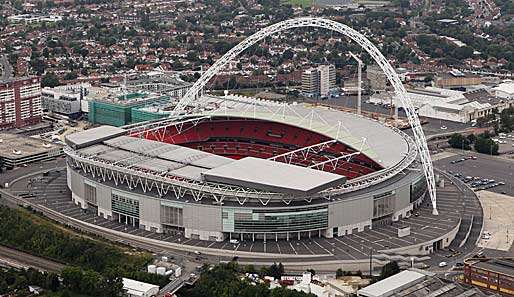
[[20, 102]]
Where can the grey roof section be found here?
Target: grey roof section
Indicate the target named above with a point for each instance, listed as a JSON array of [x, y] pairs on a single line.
[[273, 176], [96, 149], [503, 266], [158, 165], [191, 172], [93, 136], [392, 284], [212, 161], [185, 155]]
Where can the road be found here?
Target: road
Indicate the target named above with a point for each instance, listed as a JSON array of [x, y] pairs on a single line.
[[17, 258], [7, 70]]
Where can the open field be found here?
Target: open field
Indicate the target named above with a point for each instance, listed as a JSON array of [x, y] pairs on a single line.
[[302, 3]]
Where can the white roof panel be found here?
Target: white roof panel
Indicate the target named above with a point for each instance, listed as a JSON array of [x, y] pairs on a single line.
[[273, 176], [392, 284], [93, 136]]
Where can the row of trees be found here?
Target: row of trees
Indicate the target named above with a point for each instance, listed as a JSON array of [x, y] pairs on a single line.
[[481, 143], [224, 281], [94, 264]]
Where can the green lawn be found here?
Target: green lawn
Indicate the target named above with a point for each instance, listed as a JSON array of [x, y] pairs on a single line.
[[302, 3]]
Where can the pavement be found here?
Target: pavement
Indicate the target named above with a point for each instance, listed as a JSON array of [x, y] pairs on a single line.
[[498, 220]]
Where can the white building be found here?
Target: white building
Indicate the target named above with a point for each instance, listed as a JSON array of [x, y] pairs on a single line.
[[445, 104], [64, 99], [319, 81], [504, 90], [139, 289]]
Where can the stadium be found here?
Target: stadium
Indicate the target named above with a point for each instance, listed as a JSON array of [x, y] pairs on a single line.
[[256, 174], [234, 168]]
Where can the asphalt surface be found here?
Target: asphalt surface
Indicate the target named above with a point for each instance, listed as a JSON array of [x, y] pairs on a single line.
[[485, 166]]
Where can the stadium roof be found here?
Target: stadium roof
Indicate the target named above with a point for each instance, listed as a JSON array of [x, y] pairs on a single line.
[[383, 145], [92, 136], [273, 176], [170, 159]]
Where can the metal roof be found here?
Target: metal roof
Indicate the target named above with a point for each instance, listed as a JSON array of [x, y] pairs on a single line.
[[392, 284], [273, 176], [93, 136]]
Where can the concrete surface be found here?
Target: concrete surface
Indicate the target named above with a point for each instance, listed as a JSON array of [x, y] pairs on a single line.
[[498, 220]]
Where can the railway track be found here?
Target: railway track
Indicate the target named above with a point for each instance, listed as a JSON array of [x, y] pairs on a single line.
[[18, 259]]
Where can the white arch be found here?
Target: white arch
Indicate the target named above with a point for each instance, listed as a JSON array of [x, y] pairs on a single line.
[[357, 37]]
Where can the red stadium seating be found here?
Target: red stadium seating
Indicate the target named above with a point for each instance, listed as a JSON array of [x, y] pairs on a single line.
[[237, 138]]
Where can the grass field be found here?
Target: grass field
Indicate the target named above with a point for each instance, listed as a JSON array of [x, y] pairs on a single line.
[[302, 3]]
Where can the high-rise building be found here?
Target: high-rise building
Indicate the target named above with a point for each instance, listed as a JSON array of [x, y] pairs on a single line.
[[319, 81], [20, 102], [310, 81], [377, 79]]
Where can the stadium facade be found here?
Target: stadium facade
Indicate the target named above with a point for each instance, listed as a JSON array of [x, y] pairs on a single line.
[[249, 170]]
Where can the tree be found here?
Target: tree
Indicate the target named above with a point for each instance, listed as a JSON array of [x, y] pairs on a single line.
[[389, 269], [276, 271], [486, 145], [50, 80], [471, 138], [458, 141], [339, 273], [70, 76]]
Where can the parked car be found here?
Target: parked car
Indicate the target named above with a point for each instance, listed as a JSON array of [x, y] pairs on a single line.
[[443, 264]]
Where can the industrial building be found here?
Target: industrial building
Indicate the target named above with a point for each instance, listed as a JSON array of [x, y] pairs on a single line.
[[65, 100], [494, 275], [504, 90], [446, 104], [377, 79], [456, 79], [415, 282], [20, 102], [117, 110], [319, 81], [135, 288], [17, 150]]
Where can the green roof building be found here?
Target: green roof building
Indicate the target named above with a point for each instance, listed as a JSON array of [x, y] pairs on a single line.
[[117, 111]]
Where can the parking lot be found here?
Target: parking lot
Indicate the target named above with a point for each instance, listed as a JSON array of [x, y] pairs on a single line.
[[481, 172]]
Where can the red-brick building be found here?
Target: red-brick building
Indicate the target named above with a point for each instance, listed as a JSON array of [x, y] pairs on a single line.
[[495, 275], [20, 102]]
